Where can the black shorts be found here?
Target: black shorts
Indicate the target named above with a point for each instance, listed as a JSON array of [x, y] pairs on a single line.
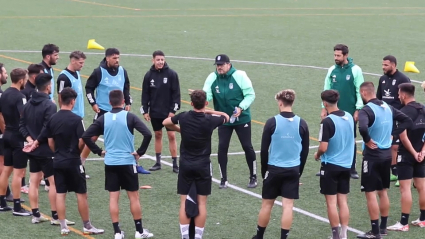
[[41, 164], [375, 175], [72, 179], [119, 177], [396, 140], [97, 115], [286, 185], [333, 182], [408, 167], [157, 124], [13, 143], [200, 175], [1, 144]]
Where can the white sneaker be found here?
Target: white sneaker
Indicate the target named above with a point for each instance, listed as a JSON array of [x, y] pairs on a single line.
[[145, 234], [57, 223], [119, 235], [399, 227], [43, 183], [40, 219], [93, 231], [46, 188], [418, 223], [65, 231], [87, 176]]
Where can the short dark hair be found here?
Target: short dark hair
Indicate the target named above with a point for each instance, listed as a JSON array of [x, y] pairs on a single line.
[[407, 88], [157, 53], [18, 74], [35, 69], [42, 80], [116, 97], [1, 66], [77, 55], [49, 49], [341, 47], [390, 58], [286, 96], [330, 96], [112, 51], [198, 99], [368, 85], [67, 95]]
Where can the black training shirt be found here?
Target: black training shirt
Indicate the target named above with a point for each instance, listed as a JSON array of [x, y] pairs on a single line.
[[28, 90], [161, 92], [133, 122], [415, 136], [96, 77], [63, 80], [388, 88], [327, 131], [366, 120], [12, 102], [34, 118], [196, 129], [266, 140], [66, 129]]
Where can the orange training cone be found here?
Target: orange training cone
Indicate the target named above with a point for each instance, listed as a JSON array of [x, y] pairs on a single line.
[[92, 44]]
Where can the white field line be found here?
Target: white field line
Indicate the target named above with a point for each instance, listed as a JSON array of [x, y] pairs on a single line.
[[256, 195], [237, 153], [204, 59]]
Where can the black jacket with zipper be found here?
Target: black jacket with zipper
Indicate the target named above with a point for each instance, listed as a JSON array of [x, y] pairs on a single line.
[[161, 92], [35, 115]]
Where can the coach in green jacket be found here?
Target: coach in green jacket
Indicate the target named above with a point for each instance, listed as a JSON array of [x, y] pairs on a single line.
[[345, 77], [232, 92]]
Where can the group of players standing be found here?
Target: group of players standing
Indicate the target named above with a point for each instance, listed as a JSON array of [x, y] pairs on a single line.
[[58, 154], [387, 117], [56, 143]]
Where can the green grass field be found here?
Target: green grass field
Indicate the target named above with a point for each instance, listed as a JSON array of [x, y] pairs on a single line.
[[280, 44]]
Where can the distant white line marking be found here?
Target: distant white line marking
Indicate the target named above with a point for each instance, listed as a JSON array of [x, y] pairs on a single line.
[[203, 59]]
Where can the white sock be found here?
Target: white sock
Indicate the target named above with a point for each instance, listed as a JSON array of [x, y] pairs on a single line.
[[184, 230], [199, 231], [343, 232]]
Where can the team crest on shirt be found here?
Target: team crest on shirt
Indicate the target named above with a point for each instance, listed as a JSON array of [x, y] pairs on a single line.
[[152, 83], [394, 81], [165, 80], [231, 86], [334, 78], [348, 77], [217, 90]]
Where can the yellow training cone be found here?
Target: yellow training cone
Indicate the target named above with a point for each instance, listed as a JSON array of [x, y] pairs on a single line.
[[92, 44], [410, 67]]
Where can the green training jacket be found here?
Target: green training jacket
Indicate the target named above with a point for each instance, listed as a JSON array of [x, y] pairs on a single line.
[[346, 80], [233, 89]]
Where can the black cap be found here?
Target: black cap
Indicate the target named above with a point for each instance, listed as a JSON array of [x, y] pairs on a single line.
[[221, 59]]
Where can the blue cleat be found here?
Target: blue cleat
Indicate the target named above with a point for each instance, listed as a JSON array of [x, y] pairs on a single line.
[[141, 170]]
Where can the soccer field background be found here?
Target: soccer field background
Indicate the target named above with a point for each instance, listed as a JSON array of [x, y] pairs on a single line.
[[280, 44]]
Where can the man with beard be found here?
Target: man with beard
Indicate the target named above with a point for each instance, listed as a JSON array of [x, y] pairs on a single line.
[[346, 78], [161, 99], [29, 88], [375, 126], [388, 92], [33, 71], [3, 80], [11, 105], [107, 77], [50, 53], [34, 117], [70, 77]]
